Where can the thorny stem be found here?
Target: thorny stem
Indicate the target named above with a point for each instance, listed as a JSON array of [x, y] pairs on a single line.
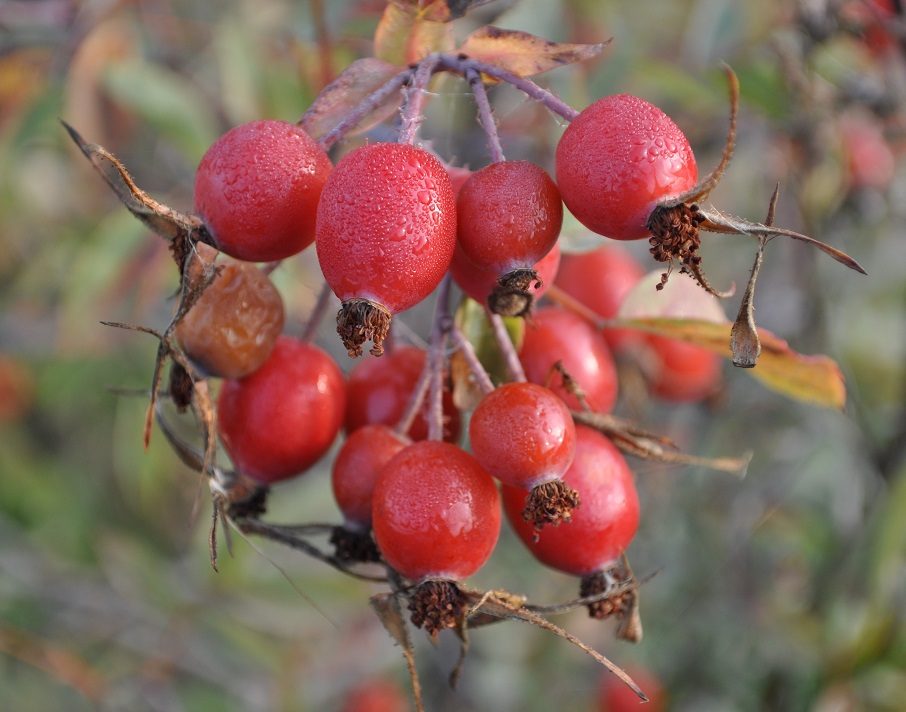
[[464, 346], [317, 314], [505, 344], [485, 115], [365, 107], [411, 114]]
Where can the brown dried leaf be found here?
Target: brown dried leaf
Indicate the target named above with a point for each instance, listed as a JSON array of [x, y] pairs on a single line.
[[339, 98], [166, 222], [811, 379], [407, 33], [522, 53], [387, 607]]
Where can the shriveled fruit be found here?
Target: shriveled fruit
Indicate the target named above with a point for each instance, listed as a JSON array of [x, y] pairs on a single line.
[[386, 230], [233, 326], [257, 190], [380, 389], [280, 420], [617, 160], [602, 528], [436, 512], [559, 335]]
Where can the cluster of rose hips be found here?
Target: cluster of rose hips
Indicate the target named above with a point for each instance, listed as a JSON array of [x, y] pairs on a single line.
[[392, 224]]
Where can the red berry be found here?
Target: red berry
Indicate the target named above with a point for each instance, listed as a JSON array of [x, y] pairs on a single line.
[[379, 391], [280, 420], [602, 527], [600, 280], [232, 328], [257, 189], [508, 216], [385, 234], [478, 284], [617, 160], [376, 695], [615, 696], [436, 512], [523, 435], [356, 468], [558, 335]]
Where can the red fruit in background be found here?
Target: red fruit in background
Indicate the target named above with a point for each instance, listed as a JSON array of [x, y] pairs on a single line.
[[617, 160], [613, 695], [870, 162], [508, 216], [675, 370], [257, 189], [385, 233], [558, 335], [376, 695], [356, 467], [233, 326], [379, 391], [600, 280], [280, 420], [478, 284], [436, 512], [523, 434], [602, 527]]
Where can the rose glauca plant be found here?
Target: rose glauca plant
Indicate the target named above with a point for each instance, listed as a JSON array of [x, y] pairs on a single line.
[[393, 223]]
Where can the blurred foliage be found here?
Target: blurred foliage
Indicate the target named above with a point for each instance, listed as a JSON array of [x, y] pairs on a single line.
[[785, 590]]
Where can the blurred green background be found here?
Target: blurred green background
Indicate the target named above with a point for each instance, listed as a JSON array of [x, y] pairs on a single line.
[[784, 590]]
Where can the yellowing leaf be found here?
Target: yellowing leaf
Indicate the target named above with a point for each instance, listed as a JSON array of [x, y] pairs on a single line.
[[522, 53], [405, 34], [344, 94], [812, 379]]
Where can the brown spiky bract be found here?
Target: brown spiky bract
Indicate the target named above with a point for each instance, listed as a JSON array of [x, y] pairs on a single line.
[[437, 604], [361, 320], [551, 502]]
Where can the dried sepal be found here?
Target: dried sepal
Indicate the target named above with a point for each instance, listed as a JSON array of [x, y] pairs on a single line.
[[175, 226], [633, 441], [388, 609]]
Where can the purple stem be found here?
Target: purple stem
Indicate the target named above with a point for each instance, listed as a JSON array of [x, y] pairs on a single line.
[[485, 116], [435, 360], [460, 65], [415, 98], [370, 103], [475, 366], [505, 344], [317, 313]]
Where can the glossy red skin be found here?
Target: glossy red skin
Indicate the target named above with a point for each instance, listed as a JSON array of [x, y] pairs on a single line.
[[379, 390], [478, 284], [600, 279], [386, 225], [280, 420], [554, 334], [523, 435], [679, 371], [257, 189], [615, 696], [617, 160], [356, 468], [375, 696], [604, 523], [509, 216], [436, 512]]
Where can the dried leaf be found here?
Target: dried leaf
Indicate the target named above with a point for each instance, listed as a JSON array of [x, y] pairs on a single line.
[[811, 379], [387, 607], [166, 222], [522, 53], [406, 33], [339, 98]]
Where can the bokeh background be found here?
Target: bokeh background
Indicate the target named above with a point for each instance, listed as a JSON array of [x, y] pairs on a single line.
[[782, 590]]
